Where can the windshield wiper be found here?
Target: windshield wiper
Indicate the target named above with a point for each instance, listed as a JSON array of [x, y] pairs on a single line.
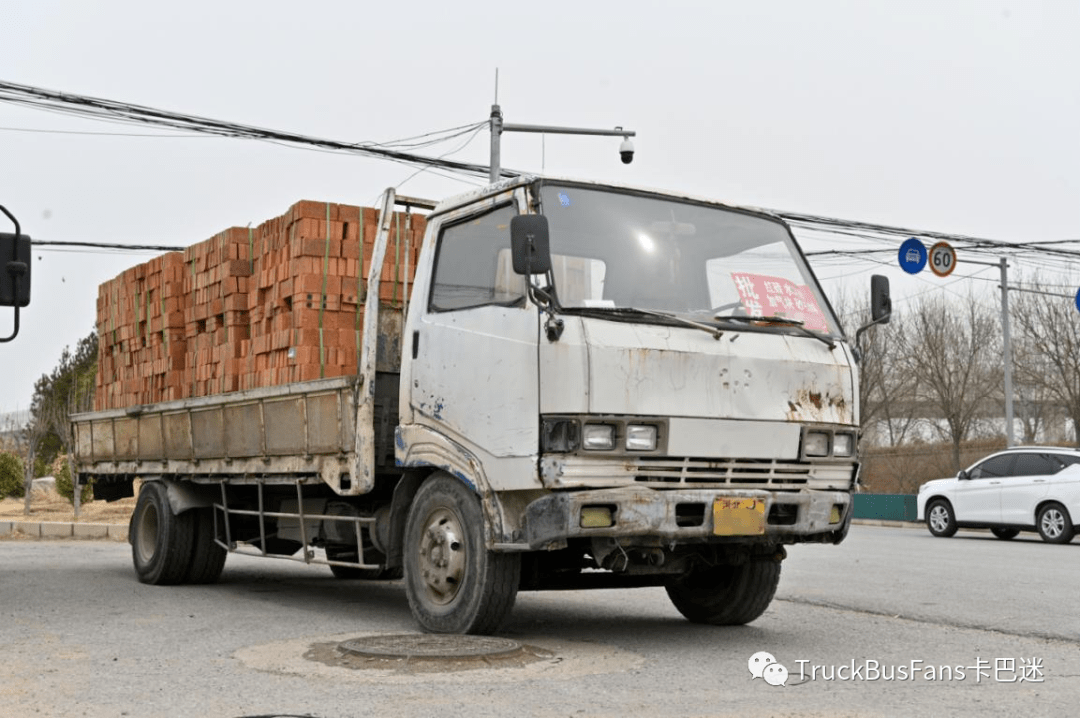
[[633, 311], [779, 321]]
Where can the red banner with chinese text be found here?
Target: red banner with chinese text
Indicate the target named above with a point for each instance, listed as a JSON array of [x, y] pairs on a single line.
[[767, 296]]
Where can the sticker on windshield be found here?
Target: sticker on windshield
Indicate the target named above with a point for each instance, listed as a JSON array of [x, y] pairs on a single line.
[[564, 199], [767, 296]]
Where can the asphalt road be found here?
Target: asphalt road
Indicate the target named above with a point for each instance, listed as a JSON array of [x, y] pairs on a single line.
[[80, 636]]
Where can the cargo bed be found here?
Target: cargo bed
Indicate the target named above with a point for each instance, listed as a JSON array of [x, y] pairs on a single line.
[[303, 431]]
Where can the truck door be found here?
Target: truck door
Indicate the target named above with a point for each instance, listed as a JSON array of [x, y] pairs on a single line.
[[474, 375]]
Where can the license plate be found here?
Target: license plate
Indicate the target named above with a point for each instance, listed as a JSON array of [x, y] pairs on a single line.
[[738, 517]]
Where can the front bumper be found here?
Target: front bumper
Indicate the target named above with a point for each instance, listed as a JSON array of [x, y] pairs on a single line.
[[685, 515]]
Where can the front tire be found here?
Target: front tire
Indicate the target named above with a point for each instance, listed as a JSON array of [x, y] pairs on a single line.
[[940, 519], [1054, 524], [161, 541], [726, 595], [454, 584]]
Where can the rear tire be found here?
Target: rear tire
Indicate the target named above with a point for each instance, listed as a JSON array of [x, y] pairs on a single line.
[[454, 584], [1054, 524], [207, 557], [726, 595], [161, 541]]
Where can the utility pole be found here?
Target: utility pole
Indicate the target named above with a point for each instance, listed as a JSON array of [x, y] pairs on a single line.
[[497, 126], [1006, 339]]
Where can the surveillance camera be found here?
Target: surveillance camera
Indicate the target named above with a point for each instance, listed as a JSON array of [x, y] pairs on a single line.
[[626, 151]]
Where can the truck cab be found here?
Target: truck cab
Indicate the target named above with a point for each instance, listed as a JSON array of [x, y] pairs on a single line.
[[638, 388]]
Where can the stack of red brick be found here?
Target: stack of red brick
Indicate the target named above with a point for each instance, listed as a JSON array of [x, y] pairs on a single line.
[[250, 307], [142, 348]]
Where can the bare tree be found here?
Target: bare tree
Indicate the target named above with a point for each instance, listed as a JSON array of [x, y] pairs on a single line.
[[893, 395], [954, 348], [886, 396], [1049, 357], [31, 436]]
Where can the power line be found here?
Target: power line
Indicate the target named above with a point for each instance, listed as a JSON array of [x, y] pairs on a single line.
[[127, 113], [106, 245], [99, 108], [102, 134]]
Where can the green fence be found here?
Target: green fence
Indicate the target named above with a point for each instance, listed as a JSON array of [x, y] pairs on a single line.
[[891, 507]]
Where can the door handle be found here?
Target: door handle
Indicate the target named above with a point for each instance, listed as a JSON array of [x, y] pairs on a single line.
[[415, 344]]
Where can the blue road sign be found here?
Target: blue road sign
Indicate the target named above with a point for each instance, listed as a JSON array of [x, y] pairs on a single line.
[[1078, 299], [912, 256]]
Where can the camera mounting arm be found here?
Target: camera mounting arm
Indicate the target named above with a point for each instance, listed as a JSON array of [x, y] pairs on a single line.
[[497, 126]]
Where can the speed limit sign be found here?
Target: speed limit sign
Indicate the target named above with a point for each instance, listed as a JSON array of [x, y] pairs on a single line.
[[942, 259]]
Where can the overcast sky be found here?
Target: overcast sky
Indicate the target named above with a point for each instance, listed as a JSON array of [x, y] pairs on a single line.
[[949, 116]]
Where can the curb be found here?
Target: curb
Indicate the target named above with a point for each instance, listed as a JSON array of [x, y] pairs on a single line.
[[890, 523], [63, 530]]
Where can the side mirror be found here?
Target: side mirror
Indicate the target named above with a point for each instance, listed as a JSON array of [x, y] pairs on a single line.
[[963, 475], [529, 245], [880, 301], [880, 308], [14, 271], [14, 266]]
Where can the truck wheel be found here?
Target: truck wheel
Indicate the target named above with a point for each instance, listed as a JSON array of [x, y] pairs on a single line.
[[454, 584], [207, 557], [161, 541], [726, 595]]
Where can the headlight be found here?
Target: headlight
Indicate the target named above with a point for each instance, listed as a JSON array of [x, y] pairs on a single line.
[[816, 443], [843, 445], [598, 437], [640, 438]]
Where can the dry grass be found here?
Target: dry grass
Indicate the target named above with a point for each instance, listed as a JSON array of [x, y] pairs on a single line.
[[51, 506], [900, 469]]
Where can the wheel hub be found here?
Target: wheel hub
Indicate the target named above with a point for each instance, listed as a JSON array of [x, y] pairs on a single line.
[[938, 519], [442, 556], [1053, 523], [148, 531]]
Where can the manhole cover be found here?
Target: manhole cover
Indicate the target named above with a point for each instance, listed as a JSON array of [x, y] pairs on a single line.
[[412, 653], [414, 645]]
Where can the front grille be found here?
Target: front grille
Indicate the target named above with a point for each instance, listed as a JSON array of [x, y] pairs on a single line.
[[746, 473], [666, 472]]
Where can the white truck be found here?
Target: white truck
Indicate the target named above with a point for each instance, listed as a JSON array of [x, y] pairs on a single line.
[[591, 386]]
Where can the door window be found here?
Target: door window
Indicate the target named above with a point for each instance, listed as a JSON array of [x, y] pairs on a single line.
[[994, 467], [1066, 459], [473, 267], [1034, 465]]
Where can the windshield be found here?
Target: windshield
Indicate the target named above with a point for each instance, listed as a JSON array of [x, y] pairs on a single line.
[[615, 250]]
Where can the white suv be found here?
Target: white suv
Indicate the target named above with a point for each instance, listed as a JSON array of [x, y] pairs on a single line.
[[1020, 489]]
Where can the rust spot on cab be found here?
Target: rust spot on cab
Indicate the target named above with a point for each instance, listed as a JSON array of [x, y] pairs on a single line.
[[809, 405]]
